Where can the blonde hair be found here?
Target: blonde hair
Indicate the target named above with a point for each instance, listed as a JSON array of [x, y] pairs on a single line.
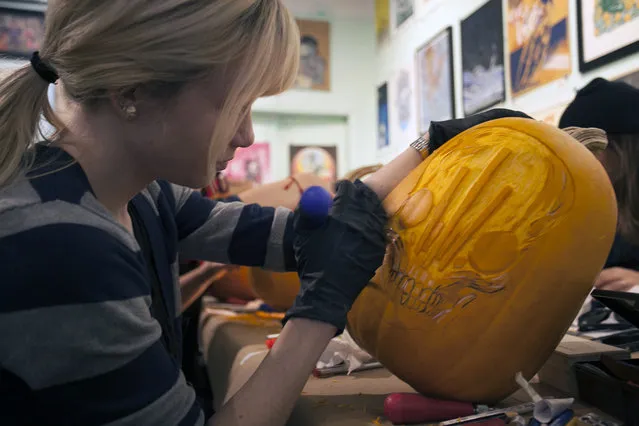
[[97, 48]]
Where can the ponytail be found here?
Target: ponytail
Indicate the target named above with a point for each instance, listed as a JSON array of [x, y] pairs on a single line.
[[23, 102]]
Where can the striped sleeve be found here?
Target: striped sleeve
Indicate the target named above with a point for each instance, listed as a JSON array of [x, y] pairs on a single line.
[[79, 345], [233, 232]]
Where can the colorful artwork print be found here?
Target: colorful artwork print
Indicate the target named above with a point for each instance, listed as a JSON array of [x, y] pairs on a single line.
[[251, 164], [612, 14], [382, 19], [21, 32], [483, 58], [608, 31], [435, 80], [538, 43], [314, 71], [404, 105], [404, 9], [383, 139], [319, 160]]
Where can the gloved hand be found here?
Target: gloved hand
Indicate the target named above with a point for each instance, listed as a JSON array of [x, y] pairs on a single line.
[[441, 132], [337, 260]]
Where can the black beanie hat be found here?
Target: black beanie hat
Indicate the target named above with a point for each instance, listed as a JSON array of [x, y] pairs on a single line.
[[606, 105]]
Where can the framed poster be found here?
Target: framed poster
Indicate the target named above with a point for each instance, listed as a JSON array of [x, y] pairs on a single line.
[[632, 79], [608, 30], [403, 121], [21, 32], [251, 164], [404, 9], [435, 83], [538, 43], [382, 19], [383, 139], [314, 72], [319, 160], [482, 42]]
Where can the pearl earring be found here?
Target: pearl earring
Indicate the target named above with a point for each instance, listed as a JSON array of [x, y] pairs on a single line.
[[131, 112]]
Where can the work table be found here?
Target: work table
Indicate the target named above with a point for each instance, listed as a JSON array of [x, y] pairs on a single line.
[[233, 351]]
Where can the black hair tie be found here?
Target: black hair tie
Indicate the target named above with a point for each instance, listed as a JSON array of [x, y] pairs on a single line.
[[45, 71]]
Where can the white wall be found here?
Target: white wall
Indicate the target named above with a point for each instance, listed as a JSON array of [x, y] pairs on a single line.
[[403, 43], [282, 131], [352, 94]]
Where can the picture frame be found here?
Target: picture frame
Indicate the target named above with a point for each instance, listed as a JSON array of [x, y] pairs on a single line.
[[315, 55], [483, 64], [435, 80], [21, 32], [383, 127], [539, 50], [317, 159], [403, 10], [603, 37]]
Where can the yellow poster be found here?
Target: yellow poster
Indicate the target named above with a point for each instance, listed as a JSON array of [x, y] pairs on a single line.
[[537, 43], [382, 19]]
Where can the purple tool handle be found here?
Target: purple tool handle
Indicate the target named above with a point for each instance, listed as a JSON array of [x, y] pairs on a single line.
[[315, 204]]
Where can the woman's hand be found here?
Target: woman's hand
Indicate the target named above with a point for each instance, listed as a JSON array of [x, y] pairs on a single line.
[[441, 132], [336, 261], [617, 279]]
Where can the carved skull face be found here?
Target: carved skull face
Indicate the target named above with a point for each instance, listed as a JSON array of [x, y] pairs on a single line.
[[481, 236]]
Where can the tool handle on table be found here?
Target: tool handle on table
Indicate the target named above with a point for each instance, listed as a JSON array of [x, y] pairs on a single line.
[[315, 204], [410, 408]]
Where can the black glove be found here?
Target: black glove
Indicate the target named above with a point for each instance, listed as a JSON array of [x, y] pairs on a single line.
[[441, 132], [338, 259]]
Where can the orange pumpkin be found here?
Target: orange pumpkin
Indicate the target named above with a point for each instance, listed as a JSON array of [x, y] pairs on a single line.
[[496, 240], [234, 285]]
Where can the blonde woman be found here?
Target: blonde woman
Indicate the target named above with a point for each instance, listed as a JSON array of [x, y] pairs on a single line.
[[92, 221]]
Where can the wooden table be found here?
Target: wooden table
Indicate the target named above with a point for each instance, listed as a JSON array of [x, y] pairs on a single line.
[[235, 349]]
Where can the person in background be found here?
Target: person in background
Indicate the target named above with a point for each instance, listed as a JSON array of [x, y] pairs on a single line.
[[612, 107]]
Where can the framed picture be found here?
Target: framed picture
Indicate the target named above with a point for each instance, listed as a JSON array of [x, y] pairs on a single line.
[[319, 160], [632, 79], [435, 83], [608, 30], [251, 164], [21, 32], [404, 9], [383, 139], [314, 72], [403, 129], [482, 43], [538, 43], [382, 19]]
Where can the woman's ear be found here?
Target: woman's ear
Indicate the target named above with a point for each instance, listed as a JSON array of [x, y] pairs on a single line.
[[125, 103]]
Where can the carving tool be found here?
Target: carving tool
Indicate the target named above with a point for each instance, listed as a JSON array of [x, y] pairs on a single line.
[[343, 369], [510, 412], [411, 408], [315, 204]]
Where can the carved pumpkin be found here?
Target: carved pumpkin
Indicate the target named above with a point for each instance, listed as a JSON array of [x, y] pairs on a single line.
[[497, 239], [278, 289]]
